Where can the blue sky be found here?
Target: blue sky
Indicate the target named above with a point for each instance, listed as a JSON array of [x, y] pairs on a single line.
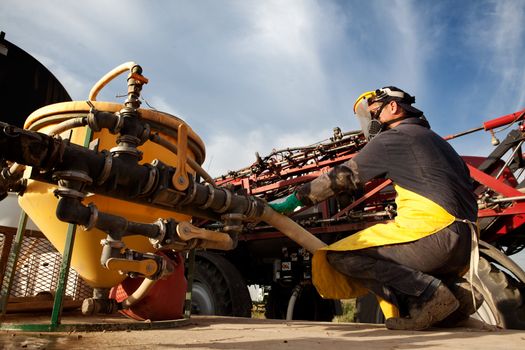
[[254, 75]]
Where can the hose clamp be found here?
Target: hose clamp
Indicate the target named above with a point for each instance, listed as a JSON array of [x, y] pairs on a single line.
[[157, 241], [92, 120], [209, 201], [112, 244], [73, 175], [106, 170], [227, 202], [127, 150], [68, 192], [191, 196], [152, 180], [251, 210], [93, 218]]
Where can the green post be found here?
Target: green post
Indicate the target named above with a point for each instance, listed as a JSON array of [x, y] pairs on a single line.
[[191, 272], [56, 314], [64, 273], [11, 263]]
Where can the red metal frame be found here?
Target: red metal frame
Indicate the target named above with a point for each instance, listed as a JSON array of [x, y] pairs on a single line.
[[283, 174]]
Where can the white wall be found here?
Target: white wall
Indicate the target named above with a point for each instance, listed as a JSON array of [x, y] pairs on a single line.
[[10, 213]]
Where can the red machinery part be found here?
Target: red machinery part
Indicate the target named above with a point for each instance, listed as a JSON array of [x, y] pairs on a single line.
[[164, 301], [504, 120]]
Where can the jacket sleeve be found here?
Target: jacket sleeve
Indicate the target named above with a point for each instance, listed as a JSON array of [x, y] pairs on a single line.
[[341, 178], [349, 176]]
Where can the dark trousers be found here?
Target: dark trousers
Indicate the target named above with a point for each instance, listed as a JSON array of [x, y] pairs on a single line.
[[411, 269]]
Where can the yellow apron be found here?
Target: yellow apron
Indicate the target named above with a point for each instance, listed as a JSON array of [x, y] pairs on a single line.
[[417, 217]]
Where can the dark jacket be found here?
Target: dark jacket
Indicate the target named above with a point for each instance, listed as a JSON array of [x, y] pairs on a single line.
[[413, 157]]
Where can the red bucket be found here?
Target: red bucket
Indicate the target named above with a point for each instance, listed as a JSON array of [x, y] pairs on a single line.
[[165, 299]]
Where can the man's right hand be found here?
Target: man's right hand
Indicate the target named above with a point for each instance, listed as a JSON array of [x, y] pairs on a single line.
[[286, 206]]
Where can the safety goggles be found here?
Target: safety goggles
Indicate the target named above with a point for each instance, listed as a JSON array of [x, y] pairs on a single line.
[[376, 112]]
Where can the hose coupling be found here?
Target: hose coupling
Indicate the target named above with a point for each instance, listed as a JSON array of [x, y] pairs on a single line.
[[157, 241], [93, 218], [71, 183], [233, 222]]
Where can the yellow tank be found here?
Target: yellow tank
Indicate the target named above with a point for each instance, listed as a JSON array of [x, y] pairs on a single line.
[[39, 202]]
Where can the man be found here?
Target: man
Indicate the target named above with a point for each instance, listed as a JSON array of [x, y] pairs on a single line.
[[406, 262]]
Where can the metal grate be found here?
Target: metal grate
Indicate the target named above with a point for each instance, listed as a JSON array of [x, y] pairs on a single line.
[[38, 268]]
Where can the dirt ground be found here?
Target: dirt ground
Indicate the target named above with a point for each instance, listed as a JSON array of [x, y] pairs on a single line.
[[260, 334]]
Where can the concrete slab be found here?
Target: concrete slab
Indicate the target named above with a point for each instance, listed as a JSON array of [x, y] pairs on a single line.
[[259, 334]]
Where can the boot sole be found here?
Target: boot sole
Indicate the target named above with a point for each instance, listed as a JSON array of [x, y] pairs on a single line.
[[435, 312]]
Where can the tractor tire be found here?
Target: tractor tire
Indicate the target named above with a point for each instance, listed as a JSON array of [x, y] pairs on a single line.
[[218, 288], [277, 302], [504, 304], [309, 305], [367, 310]]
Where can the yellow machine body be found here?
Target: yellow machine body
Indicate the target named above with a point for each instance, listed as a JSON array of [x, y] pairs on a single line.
[[40, 203]]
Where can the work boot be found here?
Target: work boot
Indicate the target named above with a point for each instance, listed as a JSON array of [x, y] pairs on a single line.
[[463, 292], [422, 316]]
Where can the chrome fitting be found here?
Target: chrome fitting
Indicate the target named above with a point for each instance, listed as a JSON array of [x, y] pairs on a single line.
[[157, 241]]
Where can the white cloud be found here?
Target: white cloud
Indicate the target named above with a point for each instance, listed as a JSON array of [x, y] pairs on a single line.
[[409, 37], [409, 45], [225, 153], [497, 36], [508, 40], [281, 48], [75, 84], [234, 69]]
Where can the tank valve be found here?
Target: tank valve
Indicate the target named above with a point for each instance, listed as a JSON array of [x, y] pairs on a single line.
[[92, 306], [209, 239], [180, 178]]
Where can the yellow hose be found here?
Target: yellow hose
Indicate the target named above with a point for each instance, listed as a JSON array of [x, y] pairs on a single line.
[[109, 77], [293, 230], [140, 293]]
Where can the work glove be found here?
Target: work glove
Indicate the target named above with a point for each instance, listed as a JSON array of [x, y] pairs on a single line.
[[287, 205]]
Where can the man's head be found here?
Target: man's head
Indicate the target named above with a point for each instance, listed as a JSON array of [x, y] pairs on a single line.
[[384, 108]]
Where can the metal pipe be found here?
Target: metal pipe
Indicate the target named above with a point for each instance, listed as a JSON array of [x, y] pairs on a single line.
[[470, 131], [73, 211], [507, 199], [491, 124], [509, 160], [98, 120], [124, 178], [111, 249]]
